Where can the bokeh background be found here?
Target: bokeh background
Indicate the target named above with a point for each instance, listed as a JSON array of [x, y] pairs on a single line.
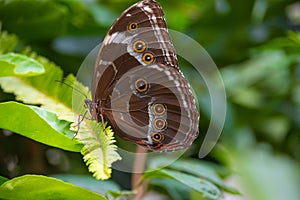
[[254, 43]]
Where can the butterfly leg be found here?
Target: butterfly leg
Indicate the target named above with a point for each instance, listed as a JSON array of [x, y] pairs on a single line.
[[81, 117], [103, 125]]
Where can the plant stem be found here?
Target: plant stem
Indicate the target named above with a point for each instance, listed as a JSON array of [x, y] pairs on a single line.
[[138, 170]]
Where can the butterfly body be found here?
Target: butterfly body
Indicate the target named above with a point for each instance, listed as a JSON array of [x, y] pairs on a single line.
[[137, 85]]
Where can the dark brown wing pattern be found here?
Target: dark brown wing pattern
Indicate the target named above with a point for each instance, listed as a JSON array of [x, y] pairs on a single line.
[[137, 85], [133, 112]]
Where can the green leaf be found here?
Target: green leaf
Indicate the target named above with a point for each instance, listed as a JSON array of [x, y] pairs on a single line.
[[88, 182], [175, 189], [201, 185], [41, 187], [37, 124], [195, 167], [125, 194], [19, 65], [3, 180], [7, 68], [7, 41], [34, 19]]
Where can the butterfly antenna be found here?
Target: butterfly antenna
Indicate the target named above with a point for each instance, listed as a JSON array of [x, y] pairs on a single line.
[[72, 86]]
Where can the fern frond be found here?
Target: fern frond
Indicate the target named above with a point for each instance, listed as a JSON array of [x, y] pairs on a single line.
[[99, 151]]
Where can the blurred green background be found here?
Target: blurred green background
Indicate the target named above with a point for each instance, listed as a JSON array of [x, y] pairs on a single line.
[[254, 43]]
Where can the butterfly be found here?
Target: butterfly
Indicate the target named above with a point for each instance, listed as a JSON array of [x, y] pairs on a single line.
[[137, 86]]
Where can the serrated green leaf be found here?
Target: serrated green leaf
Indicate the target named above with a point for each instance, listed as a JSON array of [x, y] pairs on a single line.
[[43, 90], [201, 185], [41, 187], [20, 65], [99, 151], [37, 124]]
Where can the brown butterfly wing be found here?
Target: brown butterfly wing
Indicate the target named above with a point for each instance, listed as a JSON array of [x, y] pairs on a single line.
[[131, 112], [138, 45], [114, 56]]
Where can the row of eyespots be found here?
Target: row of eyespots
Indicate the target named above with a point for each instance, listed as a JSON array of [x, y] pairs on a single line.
[[141, 85], [159, 123], [140, 46]]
